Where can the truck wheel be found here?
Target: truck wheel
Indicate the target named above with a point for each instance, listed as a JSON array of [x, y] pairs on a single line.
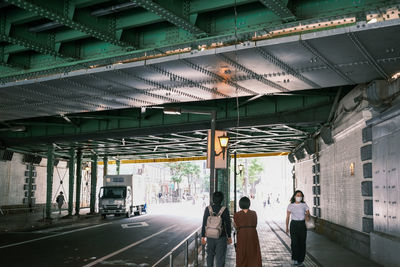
[[104, 216]]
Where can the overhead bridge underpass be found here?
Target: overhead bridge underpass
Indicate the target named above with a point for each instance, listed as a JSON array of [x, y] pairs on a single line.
[[120, 119]]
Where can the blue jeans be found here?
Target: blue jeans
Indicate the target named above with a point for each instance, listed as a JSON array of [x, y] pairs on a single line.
[[216, 248]]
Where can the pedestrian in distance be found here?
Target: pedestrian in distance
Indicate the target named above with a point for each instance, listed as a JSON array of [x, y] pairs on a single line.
[[297, 212], [216, 231], [248, 253], [204, 201], [60, 201]]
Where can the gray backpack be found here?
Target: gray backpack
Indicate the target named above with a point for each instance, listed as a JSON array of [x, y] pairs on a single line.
[[214, 223]]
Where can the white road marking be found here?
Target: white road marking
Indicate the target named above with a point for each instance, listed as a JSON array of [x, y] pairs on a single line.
[[56, 229], [50, 236], [127, 247], [134, 225], [20, 233]]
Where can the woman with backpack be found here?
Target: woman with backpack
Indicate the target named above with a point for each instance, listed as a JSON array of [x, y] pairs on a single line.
[[216, 231], [248, 253], [298, 211]]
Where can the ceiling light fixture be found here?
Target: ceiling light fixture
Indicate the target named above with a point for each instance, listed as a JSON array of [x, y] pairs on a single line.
[[172, 111], [396, 75]]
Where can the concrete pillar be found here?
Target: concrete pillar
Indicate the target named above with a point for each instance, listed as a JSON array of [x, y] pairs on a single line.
[[118, 162], [50, 170], [71, 169], [78, 181], [105, 165], [93, 184]]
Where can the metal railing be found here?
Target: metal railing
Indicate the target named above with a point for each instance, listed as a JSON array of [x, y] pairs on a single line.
[[193, 237]]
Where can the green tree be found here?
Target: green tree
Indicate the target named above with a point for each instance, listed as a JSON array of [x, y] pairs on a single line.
[[251, 173], [181, 170], [239, 175], [255, 170], [206, 182]]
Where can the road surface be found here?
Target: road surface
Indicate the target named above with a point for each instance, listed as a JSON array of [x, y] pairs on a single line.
[[116, 241]]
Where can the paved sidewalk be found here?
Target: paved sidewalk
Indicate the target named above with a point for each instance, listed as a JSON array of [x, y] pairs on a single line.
[[35, 220], [275, 250]]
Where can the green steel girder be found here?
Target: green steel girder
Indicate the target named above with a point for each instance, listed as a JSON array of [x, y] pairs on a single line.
[[65, 18], [20, 16], [40, 48], [310, 110], [170, 17], [150, 35], [197, 6], [14, 37], [8, 65], [121, 23], [4, 61], [86, 3], [280, 9]]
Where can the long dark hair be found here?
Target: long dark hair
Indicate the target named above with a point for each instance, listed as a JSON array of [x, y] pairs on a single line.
[[293, 199]]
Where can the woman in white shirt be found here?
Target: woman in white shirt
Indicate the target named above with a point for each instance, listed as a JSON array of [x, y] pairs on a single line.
[[298, 211]]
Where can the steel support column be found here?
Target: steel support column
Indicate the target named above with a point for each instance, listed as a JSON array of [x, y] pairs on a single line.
[[71, 169], [222, 182], [105, 166], [93, 184], [50, 171], [212, 155], [78, 181], [234, 182], [294, 179], [118, 163]]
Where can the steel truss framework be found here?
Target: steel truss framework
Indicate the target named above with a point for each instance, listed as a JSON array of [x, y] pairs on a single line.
[[267, 124], [245, 140]]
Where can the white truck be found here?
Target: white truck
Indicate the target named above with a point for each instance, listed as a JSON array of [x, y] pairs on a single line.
[[122, 195]]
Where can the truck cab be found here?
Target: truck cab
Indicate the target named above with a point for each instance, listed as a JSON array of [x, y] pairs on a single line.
[[122, 195]]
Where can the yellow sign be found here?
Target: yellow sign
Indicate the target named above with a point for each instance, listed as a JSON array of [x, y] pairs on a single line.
[[133, 161]]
